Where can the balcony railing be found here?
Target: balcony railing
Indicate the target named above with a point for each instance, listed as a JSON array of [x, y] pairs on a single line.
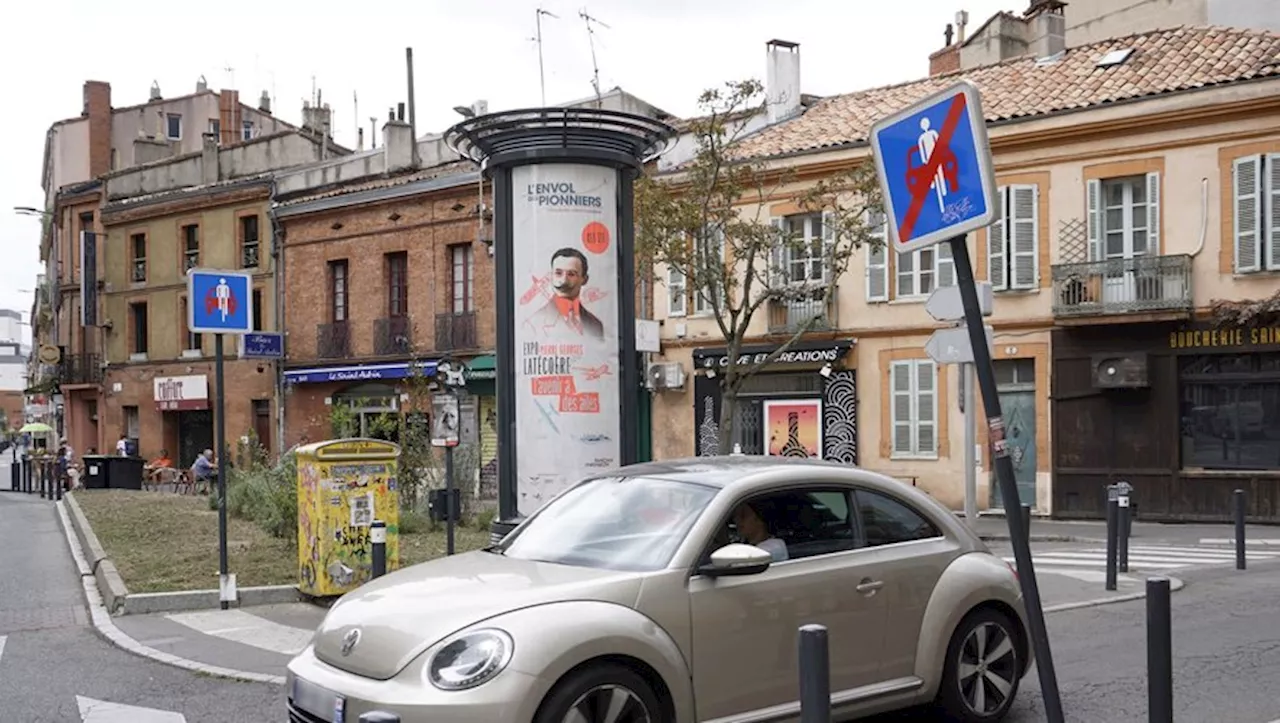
[[456, 331], [1123, 286], [806, 309], [333, 341], [249, 256], [392, 336], [80, 369]]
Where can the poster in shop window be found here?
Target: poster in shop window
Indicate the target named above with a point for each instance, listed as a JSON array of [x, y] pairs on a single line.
[[793, 427], [565, 265]]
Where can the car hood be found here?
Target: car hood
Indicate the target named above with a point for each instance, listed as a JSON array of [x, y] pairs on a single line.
[[402, 614]]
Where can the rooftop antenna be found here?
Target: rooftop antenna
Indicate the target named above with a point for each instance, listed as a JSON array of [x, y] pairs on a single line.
[[542, 76], [373, 131], [355, 102], [591, 34], [231, 75]]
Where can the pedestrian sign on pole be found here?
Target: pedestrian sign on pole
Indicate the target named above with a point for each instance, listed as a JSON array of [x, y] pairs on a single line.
[[935, 170], [219, 302]]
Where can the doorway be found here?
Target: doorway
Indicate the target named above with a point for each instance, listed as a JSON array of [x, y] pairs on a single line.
[[1016, 385], [195, 435]]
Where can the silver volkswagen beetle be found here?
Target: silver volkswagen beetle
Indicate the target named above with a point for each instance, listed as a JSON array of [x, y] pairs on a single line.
[[671, 592]]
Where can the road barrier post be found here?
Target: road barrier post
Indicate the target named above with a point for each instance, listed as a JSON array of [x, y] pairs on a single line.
[[815, 675], [1122, 525], [1159, 652], [1239, 501], [1113, 507], [1026, 518], [378, 535]]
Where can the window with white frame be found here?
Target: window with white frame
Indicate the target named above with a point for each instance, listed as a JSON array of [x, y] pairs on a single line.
[[913, 408], [246, 130], [1013, 240], [801, 255], [1124, 217], [713, 249], [677, 291], [920, 272], [173, 126], [1255, 184]]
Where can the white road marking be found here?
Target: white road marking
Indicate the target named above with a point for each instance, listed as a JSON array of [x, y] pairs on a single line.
[[1141, 557], [1247, 542], [100, 711], [2, 639], [242, 627]]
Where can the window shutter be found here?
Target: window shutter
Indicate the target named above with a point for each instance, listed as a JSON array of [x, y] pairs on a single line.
[[1095, 220], [997, 271], [828, 246], [900, 410], [1024, 232], [1271, 174], [878, 262], [926, 408], [1153, 214], [677, 295], [944, 265], [1247, 181], [777, 255]]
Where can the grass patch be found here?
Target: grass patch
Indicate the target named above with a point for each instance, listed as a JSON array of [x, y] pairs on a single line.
[[163, 542]]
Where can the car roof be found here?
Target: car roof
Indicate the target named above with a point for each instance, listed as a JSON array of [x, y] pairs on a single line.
[[724, 471]]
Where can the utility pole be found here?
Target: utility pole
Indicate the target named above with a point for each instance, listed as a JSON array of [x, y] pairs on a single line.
[[542, 76], [591, 35]]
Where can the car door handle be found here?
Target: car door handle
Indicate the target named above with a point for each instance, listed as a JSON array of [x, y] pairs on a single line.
[[869, 586]]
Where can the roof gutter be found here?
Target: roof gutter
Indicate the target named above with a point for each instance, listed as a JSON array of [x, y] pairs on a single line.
[[378, 195]]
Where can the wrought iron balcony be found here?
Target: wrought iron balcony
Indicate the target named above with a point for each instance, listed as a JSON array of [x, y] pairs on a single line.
[[249, 256], [80, 369], [803, 309], [455, 331], [1123, 286], [392, 336], [333, 341]]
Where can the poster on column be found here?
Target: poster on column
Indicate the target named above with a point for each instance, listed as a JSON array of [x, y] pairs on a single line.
[[565, 263]]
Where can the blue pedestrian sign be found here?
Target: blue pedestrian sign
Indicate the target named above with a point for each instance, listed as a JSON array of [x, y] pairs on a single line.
[[219, 302], [935, 171]]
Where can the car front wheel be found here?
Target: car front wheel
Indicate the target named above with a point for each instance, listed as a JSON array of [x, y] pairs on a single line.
[[602, 694], [983, 667]]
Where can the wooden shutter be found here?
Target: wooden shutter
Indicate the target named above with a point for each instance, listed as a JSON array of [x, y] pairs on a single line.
[[997, 243], [1246, 180], [1153, 214], [926, 403], [828, 245], [1095, 219], [878, 261], [1024, 233], [777, 253], [1271, 202], [677, 293]]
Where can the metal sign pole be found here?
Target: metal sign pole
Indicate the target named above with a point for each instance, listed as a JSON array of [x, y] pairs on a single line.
[[970, 452], [220, 439], [1003, 464], [448, 496]]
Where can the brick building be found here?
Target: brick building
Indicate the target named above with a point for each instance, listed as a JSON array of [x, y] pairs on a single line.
[[209, 209]]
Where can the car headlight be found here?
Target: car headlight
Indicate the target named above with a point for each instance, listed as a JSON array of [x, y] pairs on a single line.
[[470, 659]]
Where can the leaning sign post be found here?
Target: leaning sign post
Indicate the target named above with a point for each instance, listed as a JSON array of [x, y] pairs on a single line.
[[220, 302], [935, 171]]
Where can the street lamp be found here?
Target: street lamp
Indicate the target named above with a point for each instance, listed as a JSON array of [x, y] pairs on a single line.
[[30, 211]]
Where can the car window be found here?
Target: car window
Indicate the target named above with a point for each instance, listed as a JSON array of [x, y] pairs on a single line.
[[886, 520], [804, 522]]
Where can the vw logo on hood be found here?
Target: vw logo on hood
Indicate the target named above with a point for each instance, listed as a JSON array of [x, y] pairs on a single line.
[[350, 641]]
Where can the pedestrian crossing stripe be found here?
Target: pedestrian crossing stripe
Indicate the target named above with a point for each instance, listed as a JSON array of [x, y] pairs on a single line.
[[1142, 557], [1231, 541]]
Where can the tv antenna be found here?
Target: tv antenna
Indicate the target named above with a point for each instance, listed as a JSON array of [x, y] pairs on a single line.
[[542, 77], [591, 35]]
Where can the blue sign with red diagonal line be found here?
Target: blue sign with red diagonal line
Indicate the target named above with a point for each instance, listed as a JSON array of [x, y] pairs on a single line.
[[935, 168]]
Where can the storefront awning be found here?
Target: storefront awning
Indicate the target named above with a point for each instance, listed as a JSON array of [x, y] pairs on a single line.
[[803, 353], [483, 367], [359, 372]]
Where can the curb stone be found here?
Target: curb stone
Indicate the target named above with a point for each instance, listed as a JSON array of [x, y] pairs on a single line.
[[119, 601], [105, 627], [1175, 584]]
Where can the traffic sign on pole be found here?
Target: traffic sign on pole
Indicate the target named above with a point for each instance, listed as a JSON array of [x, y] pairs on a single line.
[[935, 169], [952, 346], [219, 302], [945, 304]]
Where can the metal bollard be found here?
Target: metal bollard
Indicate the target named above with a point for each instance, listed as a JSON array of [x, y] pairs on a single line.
[[379, 716], [815, 675], [26, 475], [1113, 507], [1239, 501], [1026, 518], [44, 480], [1122, 526], [1159, 652], [15, 477], [58, 487], [378, 535]]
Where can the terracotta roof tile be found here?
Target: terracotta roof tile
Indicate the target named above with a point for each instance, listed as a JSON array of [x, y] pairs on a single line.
[[400, 179], [1163, 61]]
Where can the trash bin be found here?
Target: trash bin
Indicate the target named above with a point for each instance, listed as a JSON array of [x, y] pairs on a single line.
[[124, 473], [95, 472], [343, 486]]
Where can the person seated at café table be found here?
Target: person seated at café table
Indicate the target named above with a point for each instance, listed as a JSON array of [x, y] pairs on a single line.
[[155, 468], [203, 470]]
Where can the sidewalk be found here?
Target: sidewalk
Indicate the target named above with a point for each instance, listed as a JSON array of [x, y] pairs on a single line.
[[995, 528]]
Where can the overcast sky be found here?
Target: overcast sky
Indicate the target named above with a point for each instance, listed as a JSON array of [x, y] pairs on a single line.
[[665, 51]]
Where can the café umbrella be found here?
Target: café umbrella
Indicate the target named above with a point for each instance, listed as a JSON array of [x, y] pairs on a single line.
[[35, 428]]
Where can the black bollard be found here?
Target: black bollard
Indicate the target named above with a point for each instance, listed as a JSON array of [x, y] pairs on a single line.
[[1122, 531], [1026, 518], [27, 484], [815, 675], [15, 477], [1238, 496], [1159, 652], [1113, 506], [378, 535], [58, 486], [44, 480], [379, 716]]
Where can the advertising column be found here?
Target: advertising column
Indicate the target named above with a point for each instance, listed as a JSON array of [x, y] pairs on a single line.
[[566, 326]]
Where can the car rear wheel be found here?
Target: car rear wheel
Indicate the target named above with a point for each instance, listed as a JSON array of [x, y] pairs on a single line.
[[602, 694], [983, 668]]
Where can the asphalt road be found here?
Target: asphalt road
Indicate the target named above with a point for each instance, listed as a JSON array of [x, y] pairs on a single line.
[[50, 654]]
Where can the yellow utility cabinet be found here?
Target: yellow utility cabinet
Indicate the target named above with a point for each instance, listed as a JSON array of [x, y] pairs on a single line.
[[343, 486]]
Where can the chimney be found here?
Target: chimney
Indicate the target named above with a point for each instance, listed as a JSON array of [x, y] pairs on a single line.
[[264, 102], [201, 84], [97, 108], [229, 116], [782, 79], [1048, 25], [155, 91], [397, 144], [315, 118], [209, 160], [962, 22]]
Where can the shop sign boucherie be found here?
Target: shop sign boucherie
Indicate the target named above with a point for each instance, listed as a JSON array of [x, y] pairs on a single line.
[[789, 357]]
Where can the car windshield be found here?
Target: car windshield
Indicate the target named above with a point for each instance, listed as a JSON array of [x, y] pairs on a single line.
[[617, 523]]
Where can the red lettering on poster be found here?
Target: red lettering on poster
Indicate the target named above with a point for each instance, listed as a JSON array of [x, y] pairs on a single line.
[[553, 386], [585, 403]]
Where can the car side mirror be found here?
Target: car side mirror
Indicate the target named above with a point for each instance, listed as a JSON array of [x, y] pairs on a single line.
[[737, 559]]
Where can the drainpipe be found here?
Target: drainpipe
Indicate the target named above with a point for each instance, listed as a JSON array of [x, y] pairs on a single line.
[[277, 257]]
